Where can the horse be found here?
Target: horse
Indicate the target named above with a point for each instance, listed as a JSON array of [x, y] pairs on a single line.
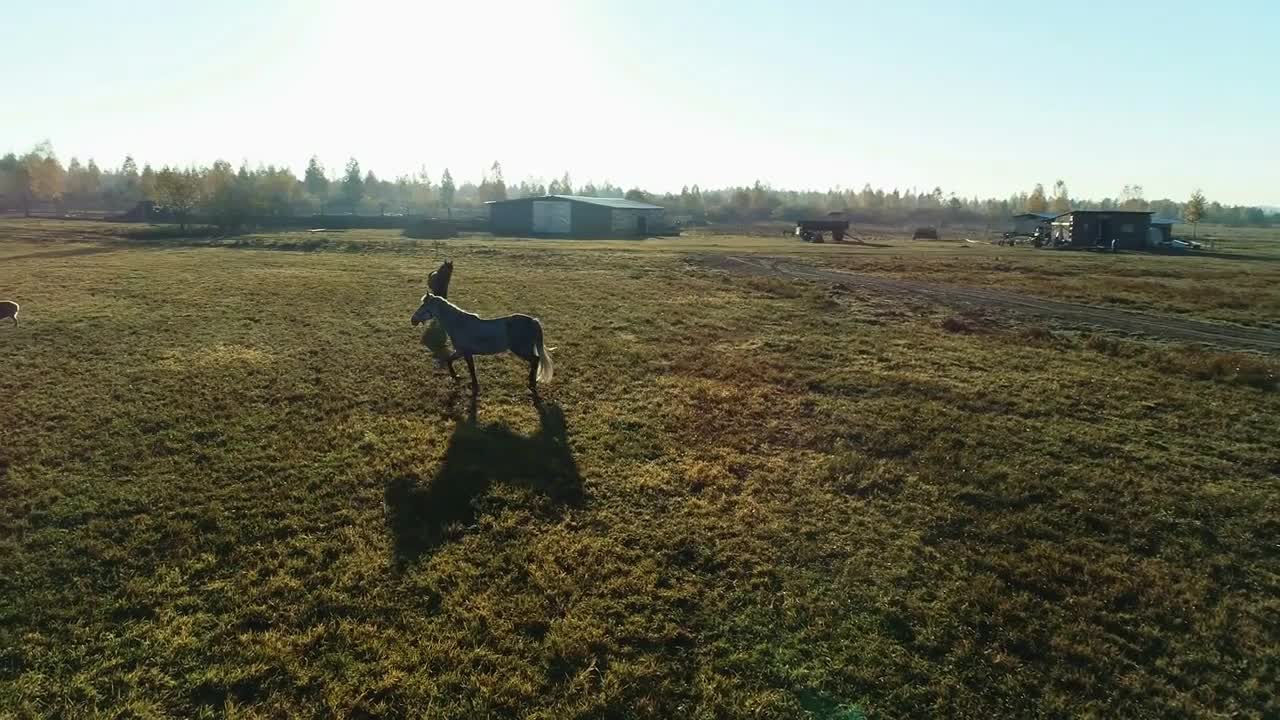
[[472, 335], [9, 309], [438, 280], [433, 337]]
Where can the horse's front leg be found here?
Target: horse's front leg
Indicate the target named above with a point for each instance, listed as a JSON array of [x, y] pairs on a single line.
[[475, 384], [449, 361]]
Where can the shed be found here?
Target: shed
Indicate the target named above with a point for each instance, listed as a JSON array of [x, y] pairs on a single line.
[[1161, 231], [1026, 223], [574, 215], [1097, 228]]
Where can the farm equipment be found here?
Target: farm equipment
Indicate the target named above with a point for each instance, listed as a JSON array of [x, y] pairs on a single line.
[[812, 230], [1038, 238]]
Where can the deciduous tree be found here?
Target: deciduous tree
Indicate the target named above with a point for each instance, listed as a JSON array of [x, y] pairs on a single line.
[[1036, 201], [44, 174], [1061, 200], [178, 191], [1194, 211]]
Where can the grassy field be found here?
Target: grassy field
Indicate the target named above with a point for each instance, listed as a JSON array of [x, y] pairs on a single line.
[[1239, 282], [231, 483]]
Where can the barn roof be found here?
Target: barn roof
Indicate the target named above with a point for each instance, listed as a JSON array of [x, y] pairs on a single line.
[[1164, 221], [610, 202], [1105, 212], [1038, 216]]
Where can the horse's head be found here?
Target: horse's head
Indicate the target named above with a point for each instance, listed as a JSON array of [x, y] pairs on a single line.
[[438, 280], [424, 313]]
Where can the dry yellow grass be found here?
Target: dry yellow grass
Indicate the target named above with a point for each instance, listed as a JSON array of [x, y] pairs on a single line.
[[232, 483]]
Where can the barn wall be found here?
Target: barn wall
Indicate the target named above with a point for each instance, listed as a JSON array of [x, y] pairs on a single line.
[[626, 220], [535, 216], [514, 217], [552, 217], [590, 220], [1128, 229], [1132, 231]]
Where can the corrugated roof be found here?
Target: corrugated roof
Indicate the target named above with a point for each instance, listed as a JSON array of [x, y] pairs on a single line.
[[605, 201], [1112, 212], [609, 202]]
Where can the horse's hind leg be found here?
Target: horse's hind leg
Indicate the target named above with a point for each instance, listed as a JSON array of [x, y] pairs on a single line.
[[530, 357], [475, 384]]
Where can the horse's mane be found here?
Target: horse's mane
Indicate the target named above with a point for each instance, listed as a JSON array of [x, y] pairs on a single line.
[[454, 309]]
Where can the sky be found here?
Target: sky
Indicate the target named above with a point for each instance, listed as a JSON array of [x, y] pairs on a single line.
[[979, 98]]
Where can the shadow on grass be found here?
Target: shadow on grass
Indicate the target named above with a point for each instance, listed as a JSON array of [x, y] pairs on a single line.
[[1233, 255], [421, 516], [65, 252]]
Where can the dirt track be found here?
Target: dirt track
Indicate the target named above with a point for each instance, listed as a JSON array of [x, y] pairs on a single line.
[[1160, 326]]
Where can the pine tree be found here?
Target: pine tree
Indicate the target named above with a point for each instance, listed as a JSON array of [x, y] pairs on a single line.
[[92, 178], [147, 182], [316, 182], [353, 185], [75, 179], [447, 191]]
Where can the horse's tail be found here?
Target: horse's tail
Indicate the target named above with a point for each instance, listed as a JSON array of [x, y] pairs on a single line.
[[545, 367]]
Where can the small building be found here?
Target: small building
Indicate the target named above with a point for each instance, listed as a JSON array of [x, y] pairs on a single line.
[[574, 215], [1161, 232], [1097, 228], [1028, 223]]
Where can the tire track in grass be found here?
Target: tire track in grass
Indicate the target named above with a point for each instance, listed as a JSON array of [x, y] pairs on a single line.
[[1128, 321]]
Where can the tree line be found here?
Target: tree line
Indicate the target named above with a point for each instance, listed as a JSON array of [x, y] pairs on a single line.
[[38, 179]]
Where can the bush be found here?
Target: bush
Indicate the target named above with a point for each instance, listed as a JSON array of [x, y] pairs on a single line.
[[1039, 334], [1105, 344], [1226, 367]]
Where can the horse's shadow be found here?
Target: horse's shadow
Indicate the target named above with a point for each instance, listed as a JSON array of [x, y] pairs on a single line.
[[422, 515]]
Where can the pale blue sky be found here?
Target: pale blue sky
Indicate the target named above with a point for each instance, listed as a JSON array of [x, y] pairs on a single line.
[[981, 98]]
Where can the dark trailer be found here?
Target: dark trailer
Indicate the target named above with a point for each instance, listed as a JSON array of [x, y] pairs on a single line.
[[811, 230], [1130, 229]]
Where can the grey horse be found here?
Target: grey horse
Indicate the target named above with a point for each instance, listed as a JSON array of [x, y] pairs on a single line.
[[472, 335]]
